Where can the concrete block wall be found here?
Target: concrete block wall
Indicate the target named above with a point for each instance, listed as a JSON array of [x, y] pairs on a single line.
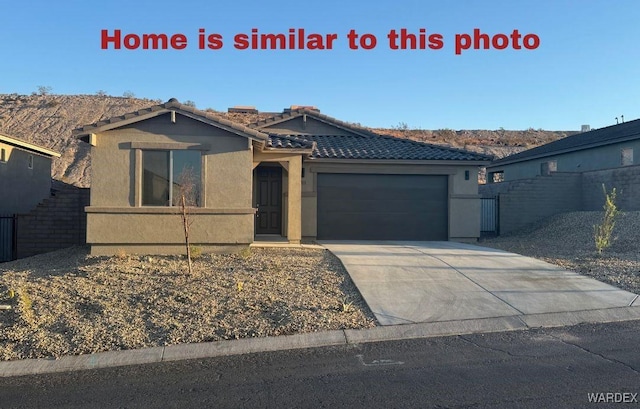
[[495, 189], [626, 181], [530, 200], [534, 199], [58, 222]]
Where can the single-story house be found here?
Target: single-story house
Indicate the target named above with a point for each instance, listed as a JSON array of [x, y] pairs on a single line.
[[296, 175], [25, 174], [605, 148]]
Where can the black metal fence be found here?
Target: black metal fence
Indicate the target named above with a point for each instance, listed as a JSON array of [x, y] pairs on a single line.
[[7, 237], [490, 216]]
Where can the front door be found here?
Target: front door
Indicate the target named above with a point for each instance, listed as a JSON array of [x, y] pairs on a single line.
[[269, 200]]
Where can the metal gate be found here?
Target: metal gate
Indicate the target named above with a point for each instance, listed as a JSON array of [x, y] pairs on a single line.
[[7, 237], [490, 216]]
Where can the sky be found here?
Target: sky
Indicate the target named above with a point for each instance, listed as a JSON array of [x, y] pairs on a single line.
[[585, 69]]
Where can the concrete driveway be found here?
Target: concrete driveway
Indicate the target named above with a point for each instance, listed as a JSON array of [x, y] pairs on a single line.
[[411, 282]]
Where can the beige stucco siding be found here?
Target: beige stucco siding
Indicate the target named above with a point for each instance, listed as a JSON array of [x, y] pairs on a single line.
[[227, 173], [123, 228], [116, 185]]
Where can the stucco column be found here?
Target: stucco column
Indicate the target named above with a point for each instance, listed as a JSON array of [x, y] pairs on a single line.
[[294, 200]]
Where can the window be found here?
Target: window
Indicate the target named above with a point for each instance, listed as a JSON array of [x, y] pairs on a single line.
[[169, 175], [547, 167], [496, 177], [3, 155], [30, 162], [626, 157]]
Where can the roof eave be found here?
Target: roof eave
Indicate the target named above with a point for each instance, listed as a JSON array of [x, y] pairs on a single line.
[[456, 162], [317, 116], [29, 146], [157, 110], [505, 161]]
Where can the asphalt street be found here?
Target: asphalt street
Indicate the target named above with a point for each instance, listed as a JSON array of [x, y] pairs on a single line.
[[542, 368]]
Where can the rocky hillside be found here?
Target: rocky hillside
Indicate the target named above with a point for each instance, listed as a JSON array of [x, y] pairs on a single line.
[[48, 120]]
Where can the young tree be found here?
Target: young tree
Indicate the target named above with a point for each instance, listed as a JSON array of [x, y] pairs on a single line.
[[187, 197], [604, 230]]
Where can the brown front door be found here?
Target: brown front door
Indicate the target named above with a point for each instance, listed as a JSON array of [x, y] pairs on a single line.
[[269, 200]]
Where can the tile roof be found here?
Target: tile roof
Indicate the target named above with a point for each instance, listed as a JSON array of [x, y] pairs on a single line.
[[171, 105], [361, 144], [315, 114], [597, 137], [375, 147], [286, 142]]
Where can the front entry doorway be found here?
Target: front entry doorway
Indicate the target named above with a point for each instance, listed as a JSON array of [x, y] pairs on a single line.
[[269, 200]]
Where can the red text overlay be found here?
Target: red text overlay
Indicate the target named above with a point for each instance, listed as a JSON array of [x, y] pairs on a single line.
[[301, 39]]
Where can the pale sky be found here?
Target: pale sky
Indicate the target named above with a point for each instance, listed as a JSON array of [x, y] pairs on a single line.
[[584, 71]]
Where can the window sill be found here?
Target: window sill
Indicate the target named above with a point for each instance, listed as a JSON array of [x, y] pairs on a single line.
[[165, 210]]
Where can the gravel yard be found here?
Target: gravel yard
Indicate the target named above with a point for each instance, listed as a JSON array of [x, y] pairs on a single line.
[[567, 240], [69, 303]]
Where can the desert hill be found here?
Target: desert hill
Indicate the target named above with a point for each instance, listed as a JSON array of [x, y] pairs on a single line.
[[48, 120]]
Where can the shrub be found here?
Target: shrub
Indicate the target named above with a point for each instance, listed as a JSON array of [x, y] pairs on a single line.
[[196, 251], [26, 307], [604, 230], [44, 90], [245, 253]]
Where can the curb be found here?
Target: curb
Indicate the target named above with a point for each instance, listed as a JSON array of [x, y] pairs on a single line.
[[312, 340]]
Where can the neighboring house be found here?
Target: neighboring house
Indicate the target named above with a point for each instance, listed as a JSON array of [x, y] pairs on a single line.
[[25, 174], [605, 148], [567, 175], [297, 175]]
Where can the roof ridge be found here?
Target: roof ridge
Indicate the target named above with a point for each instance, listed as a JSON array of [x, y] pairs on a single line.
[[173, 105], [303, 111]]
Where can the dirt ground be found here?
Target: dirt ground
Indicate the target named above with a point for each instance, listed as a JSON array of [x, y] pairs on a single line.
[[67, 303]]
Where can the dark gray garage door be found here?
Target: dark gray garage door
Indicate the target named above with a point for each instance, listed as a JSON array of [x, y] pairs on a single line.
[[382, 207]]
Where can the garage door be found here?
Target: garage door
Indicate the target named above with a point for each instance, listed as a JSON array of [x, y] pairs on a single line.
[[382, 207]]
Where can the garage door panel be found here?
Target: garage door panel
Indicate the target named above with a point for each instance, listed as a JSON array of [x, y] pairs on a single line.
[[375, 206], [382, 207]]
